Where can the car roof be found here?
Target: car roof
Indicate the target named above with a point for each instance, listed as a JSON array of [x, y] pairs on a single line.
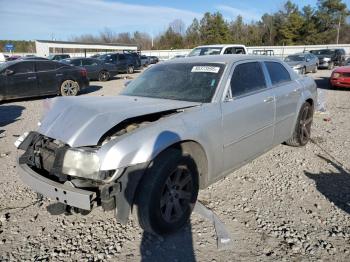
[[299, 54], [227, 59], [221, 45]]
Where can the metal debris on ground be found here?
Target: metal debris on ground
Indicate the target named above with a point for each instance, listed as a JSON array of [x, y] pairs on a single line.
[[223, 236]]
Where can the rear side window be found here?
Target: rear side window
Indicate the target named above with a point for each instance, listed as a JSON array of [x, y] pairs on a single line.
[[76, 62], [278, 73], [121, 57], [247, 78], [89, 62], [46, 66], [239, 50], [23, 67]]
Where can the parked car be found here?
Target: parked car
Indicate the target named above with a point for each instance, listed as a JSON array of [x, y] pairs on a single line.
[[58, 57], [125, 62], [145, 61], [341, 77], [330, 57], [180, 126], [347, 62], [13, 57], [218, 50], [96, 69], [302, 63], [29, 78], [153, 59]]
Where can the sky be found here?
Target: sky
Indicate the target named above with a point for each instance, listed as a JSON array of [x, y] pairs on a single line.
[[63, 19]]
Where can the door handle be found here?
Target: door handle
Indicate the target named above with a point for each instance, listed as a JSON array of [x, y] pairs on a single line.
[[296, 90], [59, 74], [269, 99], [31, 77]]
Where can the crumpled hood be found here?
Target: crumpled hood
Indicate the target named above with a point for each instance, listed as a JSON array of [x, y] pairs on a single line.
[[294, 63], [81, 121]]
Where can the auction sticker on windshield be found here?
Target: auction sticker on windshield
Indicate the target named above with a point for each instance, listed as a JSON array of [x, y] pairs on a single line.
[[205, 69]]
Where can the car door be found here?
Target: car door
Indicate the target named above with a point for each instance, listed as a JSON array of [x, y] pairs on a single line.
[[287, 93], [122, 63], [309, 63], [92, 67], [48, 76], [23, 81], [247, 114]]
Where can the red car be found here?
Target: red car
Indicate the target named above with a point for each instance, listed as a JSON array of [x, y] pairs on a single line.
[[341, 77]]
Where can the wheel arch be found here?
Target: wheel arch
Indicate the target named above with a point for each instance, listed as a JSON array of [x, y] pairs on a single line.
[[197, 152]]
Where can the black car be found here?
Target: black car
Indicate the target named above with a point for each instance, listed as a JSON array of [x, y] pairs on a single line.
[[29, 78], [153, 59], [96, 69], [58, 57], [330, 57], [125, 62]]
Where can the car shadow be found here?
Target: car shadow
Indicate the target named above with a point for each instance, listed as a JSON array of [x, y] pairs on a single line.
[[90, 89], [335, 186], [177, 246], [9, 114]]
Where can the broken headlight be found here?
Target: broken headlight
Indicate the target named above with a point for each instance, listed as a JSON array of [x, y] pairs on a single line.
[[82, 163]]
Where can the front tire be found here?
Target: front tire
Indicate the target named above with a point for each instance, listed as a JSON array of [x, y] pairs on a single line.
[[69, 88], [167, 193], [315, 69], [302, 130]]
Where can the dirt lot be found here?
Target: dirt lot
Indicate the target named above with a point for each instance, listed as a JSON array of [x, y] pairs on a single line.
[[289, 204]]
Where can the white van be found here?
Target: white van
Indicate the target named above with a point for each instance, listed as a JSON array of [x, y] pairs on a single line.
[[2, 58], [218, 50]]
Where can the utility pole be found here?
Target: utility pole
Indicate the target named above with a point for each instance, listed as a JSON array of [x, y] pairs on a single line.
[[338, 30]]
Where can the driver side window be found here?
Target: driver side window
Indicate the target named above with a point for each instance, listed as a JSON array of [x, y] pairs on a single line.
[[22, 68]]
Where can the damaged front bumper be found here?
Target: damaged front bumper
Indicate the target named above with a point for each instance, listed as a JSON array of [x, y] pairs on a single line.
[[63, 193], [40, 167]]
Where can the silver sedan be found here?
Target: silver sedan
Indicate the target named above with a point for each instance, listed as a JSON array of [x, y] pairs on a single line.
[[177, 128], [303, 63]]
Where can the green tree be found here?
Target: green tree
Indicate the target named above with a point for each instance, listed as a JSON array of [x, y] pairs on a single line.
[[214, 29], [193, 36]]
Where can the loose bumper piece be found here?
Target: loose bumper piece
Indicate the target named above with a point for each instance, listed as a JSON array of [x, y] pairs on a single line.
[[56, 191]]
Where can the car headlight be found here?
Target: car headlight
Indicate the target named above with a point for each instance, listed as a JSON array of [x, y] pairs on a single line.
[[336, 75], [81, 163]]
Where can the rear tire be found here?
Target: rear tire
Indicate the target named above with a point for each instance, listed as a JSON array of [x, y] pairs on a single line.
[[302, 130], [69, 88], [130, 70], [103, 76], [167, 193]]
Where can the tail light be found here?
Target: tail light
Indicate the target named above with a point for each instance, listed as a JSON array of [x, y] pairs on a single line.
[[83, 72]]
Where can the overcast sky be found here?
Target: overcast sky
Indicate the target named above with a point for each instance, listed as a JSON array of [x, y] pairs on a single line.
[[62, 19]]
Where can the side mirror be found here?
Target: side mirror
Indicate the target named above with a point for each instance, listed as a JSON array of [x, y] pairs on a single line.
[[8, 72], [127, 82]]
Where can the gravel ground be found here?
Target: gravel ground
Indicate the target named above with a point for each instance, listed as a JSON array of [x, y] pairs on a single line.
[[289, 204]]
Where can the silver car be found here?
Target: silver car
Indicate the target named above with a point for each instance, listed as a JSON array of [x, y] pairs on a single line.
[[177, 128], [303, 63]]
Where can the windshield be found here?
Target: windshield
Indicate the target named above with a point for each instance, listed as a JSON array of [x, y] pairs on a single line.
[[205, 51], [323, 52], [194, 82], [295, 58]]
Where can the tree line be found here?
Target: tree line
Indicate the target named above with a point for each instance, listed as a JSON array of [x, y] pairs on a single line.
[[327, 23]]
